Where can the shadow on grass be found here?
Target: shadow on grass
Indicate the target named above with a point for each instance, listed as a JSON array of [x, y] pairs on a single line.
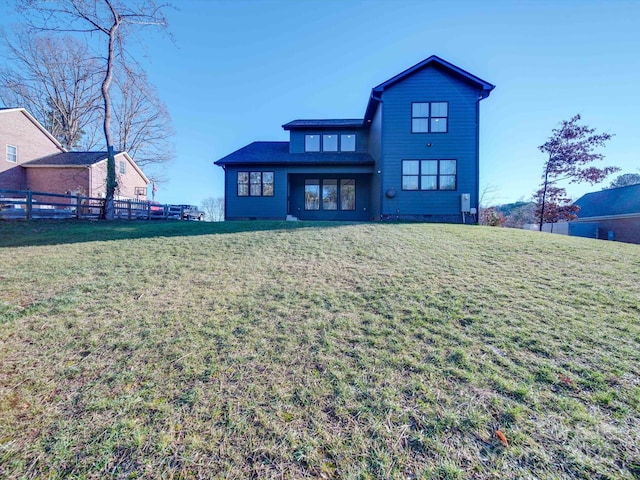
[[58, 232]]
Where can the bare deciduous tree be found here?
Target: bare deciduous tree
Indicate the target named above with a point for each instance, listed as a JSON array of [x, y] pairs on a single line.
[[142, 120], [57, 80], [213, 208], [115, 21]]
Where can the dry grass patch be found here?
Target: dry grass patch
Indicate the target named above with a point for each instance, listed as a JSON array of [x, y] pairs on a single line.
[[352, 351]]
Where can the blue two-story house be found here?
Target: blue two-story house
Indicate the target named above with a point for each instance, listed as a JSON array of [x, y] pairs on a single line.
[[414, 156]]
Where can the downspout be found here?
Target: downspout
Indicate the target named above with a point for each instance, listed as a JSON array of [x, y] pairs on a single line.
[[477, 160], [380, 160], [225, 192]]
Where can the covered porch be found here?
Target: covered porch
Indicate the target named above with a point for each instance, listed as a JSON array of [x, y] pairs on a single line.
[[316, 195]]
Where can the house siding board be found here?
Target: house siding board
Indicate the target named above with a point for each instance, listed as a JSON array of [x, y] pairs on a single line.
[[337, 169], [13, 179], [460, 142], [17, 129], [296, 144], [268, 208], [375, 150], [131, 180], [624, 229], [58, 180]]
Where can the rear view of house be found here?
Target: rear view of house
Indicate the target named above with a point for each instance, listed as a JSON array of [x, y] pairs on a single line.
[[413, 156]]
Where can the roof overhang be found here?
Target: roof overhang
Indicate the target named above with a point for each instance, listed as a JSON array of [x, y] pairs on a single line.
[[328, 124], [277, 154], [601, 218]]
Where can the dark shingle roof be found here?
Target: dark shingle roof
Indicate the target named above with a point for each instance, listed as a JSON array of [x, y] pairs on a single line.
[[277, 153], [613, 201], [326, 123], [70, 159]]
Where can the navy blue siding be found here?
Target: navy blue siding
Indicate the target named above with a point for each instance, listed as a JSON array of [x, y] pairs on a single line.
[[460, 143], [289, 193], [375, 150], [297, 138], [274, 207]]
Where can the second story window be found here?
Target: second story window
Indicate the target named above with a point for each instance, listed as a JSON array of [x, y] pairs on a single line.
[[429, 117], [12, 154], [330, 142], [312, 143], [348, 143], [123, 168]]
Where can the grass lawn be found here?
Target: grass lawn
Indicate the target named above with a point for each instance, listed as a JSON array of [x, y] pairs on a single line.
[[308, 350]]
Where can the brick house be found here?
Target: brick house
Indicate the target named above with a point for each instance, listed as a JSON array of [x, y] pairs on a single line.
[[611, 214], [32, 159]]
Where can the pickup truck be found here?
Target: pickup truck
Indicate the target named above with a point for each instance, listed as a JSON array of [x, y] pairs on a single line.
[[192, 213]]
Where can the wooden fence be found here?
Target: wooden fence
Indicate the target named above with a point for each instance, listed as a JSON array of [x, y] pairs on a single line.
[[26, 204]]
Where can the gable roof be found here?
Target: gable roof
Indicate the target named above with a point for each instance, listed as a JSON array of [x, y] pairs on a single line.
[[327, 124], [277, 153], [432, 61], [613, 201], [38, 125], [80, 159]]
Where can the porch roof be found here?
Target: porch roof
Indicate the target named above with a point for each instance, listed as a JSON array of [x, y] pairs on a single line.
[[324, 124], [277, 153]]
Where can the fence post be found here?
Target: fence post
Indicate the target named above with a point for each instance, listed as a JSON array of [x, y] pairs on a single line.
[[29, 204], [78, 207], [129, 209]]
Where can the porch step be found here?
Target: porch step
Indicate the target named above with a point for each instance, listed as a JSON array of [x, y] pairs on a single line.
[[291, 218]]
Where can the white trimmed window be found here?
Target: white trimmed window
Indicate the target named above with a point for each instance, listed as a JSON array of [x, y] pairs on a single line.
[[12, 154]]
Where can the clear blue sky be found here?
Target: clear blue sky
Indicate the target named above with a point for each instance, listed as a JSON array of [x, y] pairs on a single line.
[[238, 70]]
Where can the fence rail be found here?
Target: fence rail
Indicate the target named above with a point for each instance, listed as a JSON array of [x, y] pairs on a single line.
[[26, 204]]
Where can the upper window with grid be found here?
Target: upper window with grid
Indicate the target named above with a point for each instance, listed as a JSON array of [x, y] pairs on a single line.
[[429, 117]]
